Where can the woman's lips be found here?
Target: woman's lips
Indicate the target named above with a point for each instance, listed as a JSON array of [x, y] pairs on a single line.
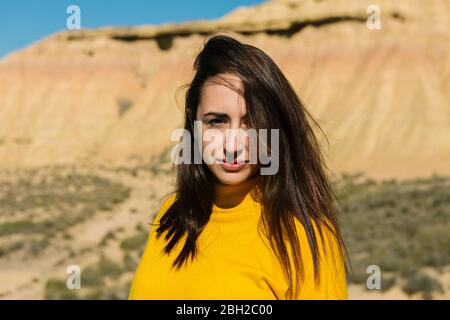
[[232, 166]]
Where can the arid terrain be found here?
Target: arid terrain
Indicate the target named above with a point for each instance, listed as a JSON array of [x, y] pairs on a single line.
[[86, 118]]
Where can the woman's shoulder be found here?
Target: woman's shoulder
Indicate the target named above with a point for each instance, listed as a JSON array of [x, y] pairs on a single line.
[[331, 257], [324, 231]]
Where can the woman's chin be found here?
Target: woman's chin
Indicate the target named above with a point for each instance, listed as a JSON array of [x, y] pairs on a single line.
[[232, 178]]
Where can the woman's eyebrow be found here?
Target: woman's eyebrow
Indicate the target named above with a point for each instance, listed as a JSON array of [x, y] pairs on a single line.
[[221, 115], [216, 114]]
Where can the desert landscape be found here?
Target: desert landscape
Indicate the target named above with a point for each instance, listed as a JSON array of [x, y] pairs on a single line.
[[86, 117]]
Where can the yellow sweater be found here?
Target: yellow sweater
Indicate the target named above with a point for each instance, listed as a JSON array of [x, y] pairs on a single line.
[[233, 262]]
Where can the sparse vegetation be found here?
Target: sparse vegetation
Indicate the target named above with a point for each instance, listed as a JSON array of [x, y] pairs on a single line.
[[39, 206], [424, 284], [135, 242], [159, 164], [9, 248], [94, 279], [110, 235], [400, 226], [57, 289]]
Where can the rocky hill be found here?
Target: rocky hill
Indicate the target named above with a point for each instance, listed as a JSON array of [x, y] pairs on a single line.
[[112, 96]]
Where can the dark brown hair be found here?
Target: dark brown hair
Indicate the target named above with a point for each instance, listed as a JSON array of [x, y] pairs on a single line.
[[300, 190]]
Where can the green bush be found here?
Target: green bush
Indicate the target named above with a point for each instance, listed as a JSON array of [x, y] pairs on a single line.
[[135, 242], [56, 289], [424, 284]]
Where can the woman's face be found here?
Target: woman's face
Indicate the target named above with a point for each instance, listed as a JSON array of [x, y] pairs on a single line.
[[223, 117]]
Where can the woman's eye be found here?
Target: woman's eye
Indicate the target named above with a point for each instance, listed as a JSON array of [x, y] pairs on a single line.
[[216, 122]]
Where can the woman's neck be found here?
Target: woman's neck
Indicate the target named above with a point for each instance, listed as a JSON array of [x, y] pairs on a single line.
[[229, 196]]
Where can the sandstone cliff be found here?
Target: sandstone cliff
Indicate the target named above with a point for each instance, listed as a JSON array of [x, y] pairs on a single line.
[[110, 96]]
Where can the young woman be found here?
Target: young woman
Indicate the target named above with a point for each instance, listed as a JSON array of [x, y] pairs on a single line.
[[229, 231]]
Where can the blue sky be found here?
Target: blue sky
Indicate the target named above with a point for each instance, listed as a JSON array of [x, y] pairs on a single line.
[[23, 22]]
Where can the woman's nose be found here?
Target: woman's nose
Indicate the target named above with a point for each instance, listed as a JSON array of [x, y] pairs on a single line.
[[234, 144], [232, 155]]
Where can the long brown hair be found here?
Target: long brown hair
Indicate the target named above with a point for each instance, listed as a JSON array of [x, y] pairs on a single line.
[[300, 189]]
